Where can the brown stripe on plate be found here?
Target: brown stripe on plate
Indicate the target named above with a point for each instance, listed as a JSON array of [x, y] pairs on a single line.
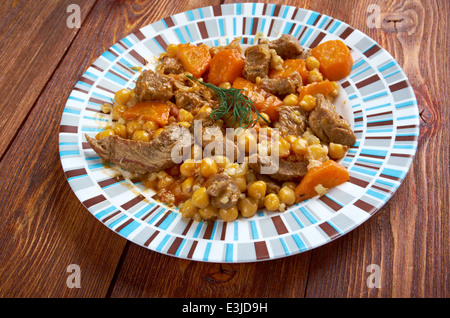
[[68, 129], [279, 225], [380, 123], [97, 101], [382, 189], [398, 86], [161, 42], [113, 53], [224, 231], [265, 9], [261, 250], [97, 67], [93, 201], [407, 127], [292, 28], [106, 89], [208, 231], [203, 31], [366, 166], [244, 24], [329, 23], [403, 155], [329, 230], [369, 208], [118, 75], [358, 182], [332, 204], [132, 202], [294, 13], [390, 177], [374, 49], [138, 57], [406, 138], [86, 80], [372, 156], [175, 245], [150, 213], [255, 26], [346, 32], [139, 35], [217, 10], [169, 22], [120, 228], [86, 145], [166, 214], [303, 31], [368, 81], [317, 19], [75, 173], [276, 10], [151, 238], [107, 182], [79, 89], [345, 84], [94, 110], [271, 26], [110, 216], [317, 40], [192, 249], [380, 114], [123, 45], [359, 119], [188, 226], [379, 137]]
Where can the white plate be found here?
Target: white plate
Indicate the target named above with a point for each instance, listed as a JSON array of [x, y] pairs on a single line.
[[380, 104]]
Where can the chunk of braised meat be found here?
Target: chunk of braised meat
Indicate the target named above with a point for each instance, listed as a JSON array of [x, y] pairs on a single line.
[[142, 157], [282, 86], [328, 125], [292, 120], [272, 186], [277, 168], [257, 62], [170, 65], [287, 46], [224, 192], [151, 86]]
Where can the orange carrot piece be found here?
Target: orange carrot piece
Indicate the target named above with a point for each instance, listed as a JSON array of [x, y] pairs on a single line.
[[329, 174], [195, 59], [335, 59], [290, 66], [324, 87], [264, 101], [225, 66], [156, 111]]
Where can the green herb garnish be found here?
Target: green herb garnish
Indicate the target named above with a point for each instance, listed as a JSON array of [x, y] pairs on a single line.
[[233, 105]]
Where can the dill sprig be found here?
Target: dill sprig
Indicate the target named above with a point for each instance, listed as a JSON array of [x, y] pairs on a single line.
[[233, 105]]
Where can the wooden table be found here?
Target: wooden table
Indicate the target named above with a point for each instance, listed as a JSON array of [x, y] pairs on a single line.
[[44, 228]]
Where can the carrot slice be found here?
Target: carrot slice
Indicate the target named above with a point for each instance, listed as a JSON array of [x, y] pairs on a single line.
[[290, 66], [264, 101], [195, 59], [335, 59], [329, 174], [225, 66], [324, 87], [156, 111]]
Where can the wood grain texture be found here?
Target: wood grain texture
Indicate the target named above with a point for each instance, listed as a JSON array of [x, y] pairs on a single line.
[[45, 228], [33, 38]]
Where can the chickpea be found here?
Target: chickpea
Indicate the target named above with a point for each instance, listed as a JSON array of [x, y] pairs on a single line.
[[315, 76], [308, 103], [336, 151], [118, 111], [208, 167], [336, 89], [272, 202], [186, 186], [120, 130], [184, 115], [263, 122], [317, 152], [105, 133], [248, 206], [300, 146], [246, 142], [287, 195], [165, 182], [283, 147], [312, 63], [290, 139], [225, 85], [229, 214], [208, 213], [150, 126], [200, 198], [141, 135], [157, 132], [172, 50], [291, 100], [290, 185], [257, 189], [187, 168], [132, 126], [221, 161], [241, 182], [189, 210], [122, 97]]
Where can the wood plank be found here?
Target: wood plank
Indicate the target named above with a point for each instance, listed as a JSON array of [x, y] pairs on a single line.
[[33, 38]]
